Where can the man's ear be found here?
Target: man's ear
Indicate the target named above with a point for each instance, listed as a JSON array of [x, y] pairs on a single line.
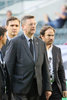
[[22, 26], [1, 37], [41, 36]]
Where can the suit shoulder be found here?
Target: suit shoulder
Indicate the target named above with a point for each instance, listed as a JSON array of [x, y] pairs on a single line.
[[16, 39], [42, 45], [57, 48], [39, 40]]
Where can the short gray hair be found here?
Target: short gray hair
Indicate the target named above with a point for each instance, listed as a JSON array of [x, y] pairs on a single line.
[[24, 18]]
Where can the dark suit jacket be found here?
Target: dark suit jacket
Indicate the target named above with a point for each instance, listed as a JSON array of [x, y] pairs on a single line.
[[4, 48], [58, 69], [0, 83], [21, 66], [3, 95]]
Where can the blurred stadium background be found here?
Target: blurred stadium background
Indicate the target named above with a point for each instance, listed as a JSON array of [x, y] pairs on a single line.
[[38, 8], [35, 7]]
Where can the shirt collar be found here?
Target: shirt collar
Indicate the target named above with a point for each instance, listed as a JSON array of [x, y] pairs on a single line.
[[8, 36], [27, 38], [50, 48], [49, 51]]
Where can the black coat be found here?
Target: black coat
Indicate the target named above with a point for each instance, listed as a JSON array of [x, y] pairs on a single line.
[[4, 48], [3, 95], [21, 66], [58, 69]]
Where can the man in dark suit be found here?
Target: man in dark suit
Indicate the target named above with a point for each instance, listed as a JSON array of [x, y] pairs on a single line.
[[3, 95], [26, 61], [56, 69], [13, 27]]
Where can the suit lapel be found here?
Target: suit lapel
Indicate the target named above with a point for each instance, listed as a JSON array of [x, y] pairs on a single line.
[[24, 41], [54, 59], [36, 48]]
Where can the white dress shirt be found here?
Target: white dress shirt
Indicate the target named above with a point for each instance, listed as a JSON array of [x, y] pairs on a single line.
[[50, 58]]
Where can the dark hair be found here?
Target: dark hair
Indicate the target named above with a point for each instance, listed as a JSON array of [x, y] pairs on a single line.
[[2, 31], [24, 18], [12, 19], [44, 29]]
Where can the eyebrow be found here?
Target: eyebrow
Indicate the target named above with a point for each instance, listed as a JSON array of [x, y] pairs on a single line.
[[14, 25], [49, 35]]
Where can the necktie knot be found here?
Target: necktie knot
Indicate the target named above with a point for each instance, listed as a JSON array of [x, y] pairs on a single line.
[[30, 40]]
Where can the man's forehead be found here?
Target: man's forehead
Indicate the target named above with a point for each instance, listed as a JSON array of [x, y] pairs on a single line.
[[14, 22], [31, 19], [50, 30]]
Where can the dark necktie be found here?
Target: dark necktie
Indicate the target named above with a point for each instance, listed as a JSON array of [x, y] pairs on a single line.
[[31, 47]]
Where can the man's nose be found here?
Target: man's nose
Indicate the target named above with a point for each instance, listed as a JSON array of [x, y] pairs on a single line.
[[14, 26], [34, 25]]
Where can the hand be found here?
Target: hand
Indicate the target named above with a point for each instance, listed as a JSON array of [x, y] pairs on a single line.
[[48, 94], [64, 94]]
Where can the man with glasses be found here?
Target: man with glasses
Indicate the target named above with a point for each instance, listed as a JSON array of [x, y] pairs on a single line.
[[26, 61]]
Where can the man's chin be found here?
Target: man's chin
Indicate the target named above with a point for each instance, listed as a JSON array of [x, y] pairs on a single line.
[[32, 33], [49, 43], [13, 34], [4, 43]]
